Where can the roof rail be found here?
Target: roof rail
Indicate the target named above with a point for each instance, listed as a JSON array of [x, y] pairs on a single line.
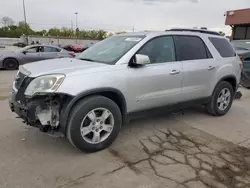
[[195, 30]]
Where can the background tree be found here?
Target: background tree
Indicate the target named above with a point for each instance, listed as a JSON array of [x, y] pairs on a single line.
[[9, 29], [66, 32], [7, 21], [22, 26], [53, 32], [40, 33]]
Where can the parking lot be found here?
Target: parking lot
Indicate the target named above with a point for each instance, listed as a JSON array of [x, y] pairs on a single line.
[[187, 149]]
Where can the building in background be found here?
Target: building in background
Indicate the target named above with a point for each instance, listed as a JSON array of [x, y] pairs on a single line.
[[239, 20]]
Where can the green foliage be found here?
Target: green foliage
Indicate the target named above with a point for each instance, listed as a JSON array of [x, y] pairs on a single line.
[[11, 30]]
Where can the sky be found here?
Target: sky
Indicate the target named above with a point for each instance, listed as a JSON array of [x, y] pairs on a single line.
[[123, 15]]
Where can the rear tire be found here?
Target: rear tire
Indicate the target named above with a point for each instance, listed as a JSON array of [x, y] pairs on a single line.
[[81, 121], [222, 99], [11, 64]]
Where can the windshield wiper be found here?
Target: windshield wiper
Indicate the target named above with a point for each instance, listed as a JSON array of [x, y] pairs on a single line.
[[86, 59]]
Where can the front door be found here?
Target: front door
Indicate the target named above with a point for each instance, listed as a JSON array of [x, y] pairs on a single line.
[[31, 54], [158, 83]]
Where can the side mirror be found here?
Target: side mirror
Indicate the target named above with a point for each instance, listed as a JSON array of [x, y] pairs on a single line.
[[24, 52], [141, 59]]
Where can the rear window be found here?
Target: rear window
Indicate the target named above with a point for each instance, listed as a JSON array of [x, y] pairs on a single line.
[[223, 46]]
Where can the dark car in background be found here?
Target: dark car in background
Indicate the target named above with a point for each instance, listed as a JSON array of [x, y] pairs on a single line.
[[242, 48], [20, 44], [12, 59]]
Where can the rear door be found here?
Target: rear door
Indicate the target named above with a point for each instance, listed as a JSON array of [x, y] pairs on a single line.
[[50, 52], [198, 66]]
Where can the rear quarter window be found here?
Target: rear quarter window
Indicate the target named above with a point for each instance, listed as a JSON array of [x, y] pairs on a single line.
[[223, 46]]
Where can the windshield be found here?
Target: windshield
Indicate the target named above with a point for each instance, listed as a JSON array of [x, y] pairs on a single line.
[[241, 45], [110, 50]]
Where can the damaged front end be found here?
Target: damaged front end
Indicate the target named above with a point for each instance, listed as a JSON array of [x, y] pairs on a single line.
[[48, 113], [42, 110]]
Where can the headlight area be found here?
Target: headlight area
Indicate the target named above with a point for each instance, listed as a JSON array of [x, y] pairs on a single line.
[[44, 84], [37, 103]]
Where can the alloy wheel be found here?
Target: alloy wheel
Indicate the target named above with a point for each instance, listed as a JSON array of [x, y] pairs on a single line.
[[97, 125], [224, 98]]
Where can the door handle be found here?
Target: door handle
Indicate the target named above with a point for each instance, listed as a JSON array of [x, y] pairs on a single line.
[[210, 68], [173, 72]]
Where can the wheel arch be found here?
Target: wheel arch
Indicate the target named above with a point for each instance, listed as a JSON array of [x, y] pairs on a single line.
[[230, 79], [111, 93]]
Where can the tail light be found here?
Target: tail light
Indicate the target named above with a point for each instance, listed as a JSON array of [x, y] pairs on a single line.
[[72, 54]]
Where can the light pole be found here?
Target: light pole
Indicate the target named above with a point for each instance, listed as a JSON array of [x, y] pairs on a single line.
[[25, 22], [76, 13]]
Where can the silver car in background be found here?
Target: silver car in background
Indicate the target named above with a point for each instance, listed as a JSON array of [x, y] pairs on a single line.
[[12, 59]]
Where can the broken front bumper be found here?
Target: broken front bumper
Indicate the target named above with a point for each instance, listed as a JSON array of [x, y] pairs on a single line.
[[25, 111], [42, 111]]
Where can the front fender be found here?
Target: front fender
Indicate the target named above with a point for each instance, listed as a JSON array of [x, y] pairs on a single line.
[[69, 104]]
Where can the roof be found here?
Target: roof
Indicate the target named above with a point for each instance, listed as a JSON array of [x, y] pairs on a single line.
[[195, 32], [46, 45], [238, 17]]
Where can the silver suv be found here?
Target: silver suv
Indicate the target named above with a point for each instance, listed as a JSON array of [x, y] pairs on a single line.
[[88, 98]]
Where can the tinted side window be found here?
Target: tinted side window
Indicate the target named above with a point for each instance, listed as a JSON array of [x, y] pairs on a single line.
[[159, 50], [32, 50], [223, 47], [190, 48]]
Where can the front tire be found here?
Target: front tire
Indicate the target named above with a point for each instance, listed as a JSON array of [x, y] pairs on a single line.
[[11, 64], [222, 99], [94, 123]]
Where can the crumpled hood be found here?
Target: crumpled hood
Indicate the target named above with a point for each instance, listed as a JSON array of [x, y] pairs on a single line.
[[61, 65]]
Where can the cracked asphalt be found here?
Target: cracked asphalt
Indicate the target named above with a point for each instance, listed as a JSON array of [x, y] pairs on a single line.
[[178, 150]]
